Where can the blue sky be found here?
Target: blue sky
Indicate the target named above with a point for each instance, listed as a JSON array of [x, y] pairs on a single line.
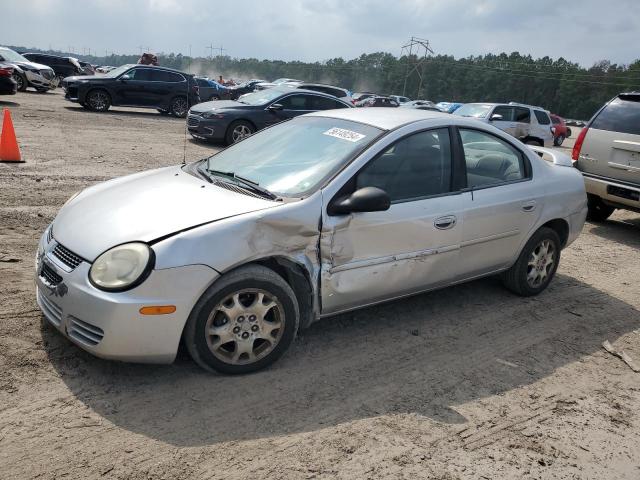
[[584, 31]]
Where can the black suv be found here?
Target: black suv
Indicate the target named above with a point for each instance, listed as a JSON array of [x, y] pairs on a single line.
[[145, 86], [62, 66]]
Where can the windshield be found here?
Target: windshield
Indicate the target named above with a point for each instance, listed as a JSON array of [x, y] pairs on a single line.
[[117, 71], [261, 97], [293, 158], [473, 110], [11, 56]]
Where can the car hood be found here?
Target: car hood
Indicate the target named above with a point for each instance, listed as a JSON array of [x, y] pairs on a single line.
[[144, 207], [33, 65], [219, 105]]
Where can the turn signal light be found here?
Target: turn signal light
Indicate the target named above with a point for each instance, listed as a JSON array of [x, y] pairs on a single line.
[[158, 310]]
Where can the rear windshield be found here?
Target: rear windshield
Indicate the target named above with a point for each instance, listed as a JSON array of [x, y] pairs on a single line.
[[621, 115]]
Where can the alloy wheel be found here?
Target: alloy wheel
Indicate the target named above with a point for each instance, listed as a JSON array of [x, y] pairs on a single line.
[[245, 327], [19, 80], [240, 133], [180, 107], [540, 264], [98, 101]]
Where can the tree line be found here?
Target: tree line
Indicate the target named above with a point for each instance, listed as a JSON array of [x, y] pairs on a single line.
[[561, 86]]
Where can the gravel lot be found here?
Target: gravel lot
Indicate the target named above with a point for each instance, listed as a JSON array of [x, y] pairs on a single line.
[[469, 382]]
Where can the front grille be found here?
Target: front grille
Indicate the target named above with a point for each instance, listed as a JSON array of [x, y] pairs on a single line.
[[51, 311], [48, 74], [192, 121], [84, 332], [66, 256], [49, 275]]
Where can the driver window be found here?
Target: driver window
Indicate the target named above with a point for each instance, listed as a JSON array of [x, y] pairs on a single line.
[[415, 167], [506, 112]]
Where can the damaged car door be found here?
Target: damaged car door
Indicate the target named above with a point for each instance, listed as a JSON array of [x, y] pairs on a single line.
[[372, 256]]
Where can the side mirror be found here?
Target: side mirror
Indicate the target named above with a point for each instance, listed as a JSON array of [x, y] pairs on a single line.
[[275, 107], [366, 199], [125, 77], [495, 116]]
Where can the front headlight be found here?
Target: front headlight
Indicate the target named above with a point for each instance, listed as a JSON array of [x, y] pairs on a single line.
[[123, 267], [212, 115]]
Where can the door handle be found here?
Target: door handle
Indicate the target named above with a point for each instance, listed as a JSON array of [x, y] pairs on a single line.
[[445, 223], [529, 206]]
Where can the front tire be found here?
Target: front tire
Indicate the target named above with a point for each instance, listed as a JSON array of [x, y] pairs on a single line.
[[239, 130], [98, 100], [536, 265], [179, 107], [244, 322], [598, 211], [21, 80]]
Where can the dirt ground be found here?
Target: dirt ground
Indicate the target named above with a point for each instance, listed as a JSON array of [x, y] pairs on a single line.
[[469, 382]]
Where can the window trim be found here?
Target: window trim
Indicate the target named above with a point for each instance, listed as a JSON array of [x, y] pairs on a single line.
[[526, 162], [349, 186]]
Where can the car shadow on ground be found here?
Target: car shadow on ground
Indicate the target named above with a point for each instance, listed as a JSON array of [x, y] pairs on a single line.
[[423, 355], [151, 113], [7, 103], [625, 231]]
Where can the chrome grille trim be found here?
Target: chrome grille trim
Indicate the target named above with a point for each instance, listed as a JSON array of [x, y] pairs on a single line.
[[50, 234], [51, 311], [84, 332], [192, 121], [49, 275], [66, 256]]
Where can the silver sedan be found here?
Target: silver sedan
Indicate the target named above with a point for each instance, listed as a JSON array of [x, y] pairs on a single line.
[[326, 213]]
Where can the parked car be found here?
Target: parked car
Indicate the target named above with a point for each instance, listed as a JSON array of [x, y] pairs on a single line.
[[531, 125], [607, 152], [104, 68], [377, 101], [62, 66], [87, 68], [560, 129], [29, 74], [210, 90], [232, 121], [400, 99], [338, 92], [421, 105], [326, 213], [359, 96], [449, 107], [245, 87], [167, 90], [8, 84]]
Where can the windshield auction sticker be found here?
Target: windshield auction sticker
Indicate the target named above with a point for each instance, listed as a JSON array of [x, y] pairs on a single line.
[[344, 134]]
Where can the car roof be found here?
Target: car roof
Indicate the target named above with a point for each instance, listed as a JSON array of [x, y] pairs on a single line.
[[159, 68], [381, 117]]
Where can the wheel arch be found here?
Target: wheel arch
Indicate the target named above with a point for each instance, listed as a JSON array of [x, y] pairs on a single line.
[[561, 227]]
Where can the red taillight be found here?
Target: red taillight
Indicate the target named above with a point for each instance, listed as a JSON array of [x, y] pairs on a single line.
[[578, 145], [6, 72]]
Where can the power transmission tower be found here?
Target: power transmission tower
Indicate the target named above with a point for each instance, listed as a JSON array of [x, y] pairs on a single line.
[[421, 49], [211, 48]]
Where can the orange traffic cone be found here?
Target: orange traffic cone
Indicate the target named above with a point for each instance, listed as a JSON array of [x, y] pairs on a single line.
[[9, 149]]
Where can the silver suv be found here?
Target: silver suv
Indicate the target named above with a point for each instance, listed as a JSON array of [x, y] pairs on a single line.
[[530, 125], [607, 151]]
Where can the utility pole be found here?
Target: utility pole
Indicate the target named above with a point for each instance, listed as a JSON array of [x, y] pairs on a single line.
[[211, 48], [140, 47], [420, 46]]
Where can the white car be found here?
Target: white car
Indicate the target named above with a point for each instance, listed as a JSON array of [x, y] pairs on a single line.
[[530, 125], [29, 74], [325, 213]]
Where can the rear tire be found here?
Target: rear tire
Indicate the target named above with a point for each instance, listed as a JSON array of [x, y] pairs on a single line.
[[598, 211], [244, 322], [536, 265], [98, 100], [558, 140], [179, 107]]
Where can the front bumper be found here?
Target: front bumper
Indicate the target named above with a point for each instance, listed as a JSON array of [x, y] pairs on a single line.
[[618, 194], [205, 128], [42, 79], [109, 325]]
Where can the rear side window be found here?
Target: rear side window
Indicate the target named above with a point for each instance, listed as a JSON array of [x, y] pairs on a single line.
[[295, 102], [164, 76], [322, 103], [490, 160], [621, 115], [522, 115], [542, 117]]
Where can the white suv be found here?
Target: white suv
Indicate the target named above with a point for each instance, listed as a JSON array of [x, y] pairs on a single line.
[[531, 125], [607, 151]]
